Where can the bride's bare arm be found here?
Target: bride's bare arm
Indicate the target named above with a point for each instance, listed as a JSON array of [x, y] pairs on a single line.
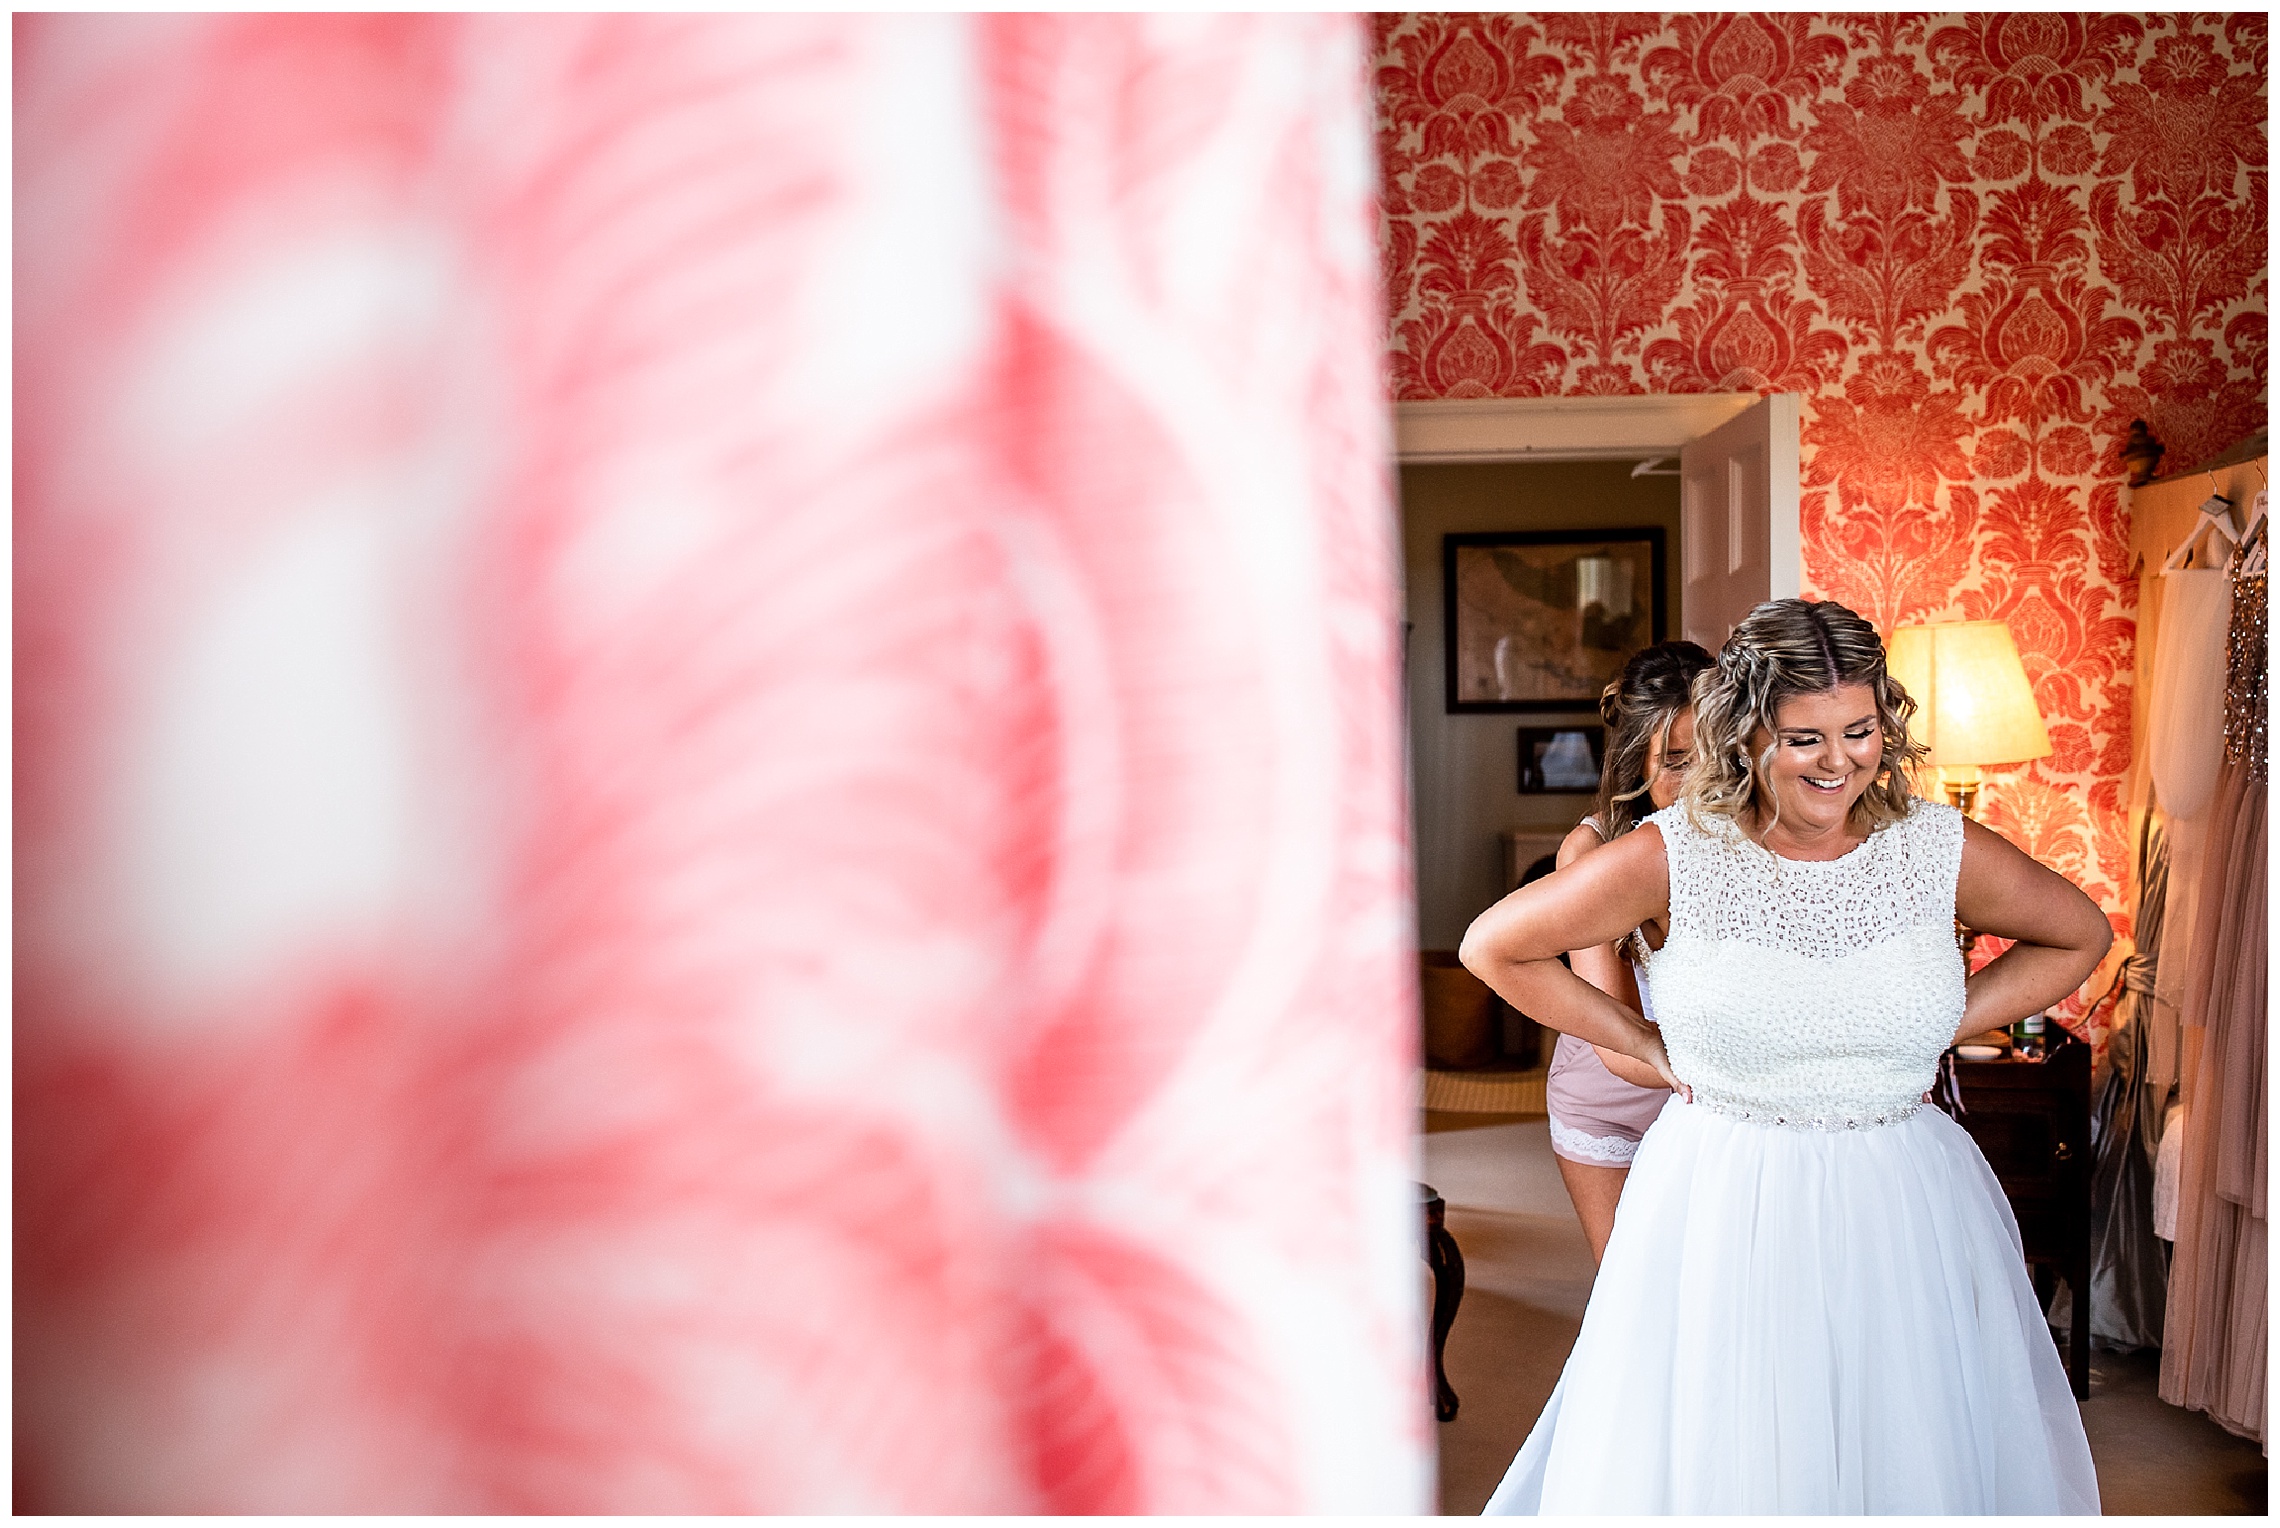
[[2061, 933], [1596, 899], [1604, 967]]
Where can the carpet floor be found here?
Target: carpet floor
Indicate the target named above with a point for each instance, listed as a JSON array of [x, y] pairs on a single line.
[[1498, 1091], [1528, 1274]]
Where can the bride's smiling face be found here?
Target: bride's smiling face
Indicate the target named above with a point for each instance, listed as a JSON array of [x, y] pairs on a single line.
[[1825, 757]]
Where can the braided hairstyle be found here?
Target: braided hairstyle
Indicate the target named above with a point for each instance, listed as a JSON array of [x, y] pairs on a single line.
[[1781, 649], [1638, 709]]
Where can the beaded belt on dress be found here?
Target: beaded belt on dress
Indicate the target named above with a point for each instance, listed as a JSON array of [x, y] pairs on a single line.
[[1762, 1116]]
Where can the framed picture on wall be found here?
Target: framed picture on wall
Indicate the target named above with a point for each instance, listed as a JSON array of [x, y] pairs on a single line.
[[1542, 620], [1561, 760]]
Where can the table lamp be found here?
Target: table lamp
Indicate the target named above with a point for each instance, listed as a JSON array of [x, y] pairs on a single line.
[[1975, 706]]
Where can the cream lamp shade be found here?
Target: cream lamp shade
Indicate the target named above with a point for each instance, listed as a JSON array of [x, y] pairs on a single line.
[[1974, 703]]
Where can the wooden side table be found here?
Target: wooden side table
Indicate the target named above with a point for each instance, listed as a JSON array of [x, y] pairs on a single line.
[[1448, 1265], [2032, 1122]]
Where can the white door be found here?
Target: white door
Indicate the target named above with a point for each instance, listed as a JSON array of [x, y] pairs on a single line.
[[1738, 539]]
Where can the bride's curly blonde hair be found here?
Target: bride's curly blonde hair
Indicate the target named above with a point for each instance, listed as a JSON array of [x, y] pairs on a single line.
[[1781, 649]]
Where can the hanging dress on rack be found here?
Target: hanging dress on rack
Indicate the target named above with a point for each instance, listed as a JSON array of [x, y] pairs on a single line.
[[2185, 748], [2213, 1354], [2129, 1272]]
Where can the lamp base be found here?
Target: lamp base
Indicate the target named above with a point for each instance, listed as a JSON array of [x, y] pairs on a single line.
[[1961, 781]]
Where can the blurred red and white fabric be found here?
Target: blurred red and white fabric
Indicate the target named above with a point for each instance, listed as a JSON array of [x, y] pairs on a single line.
[[708, 805]]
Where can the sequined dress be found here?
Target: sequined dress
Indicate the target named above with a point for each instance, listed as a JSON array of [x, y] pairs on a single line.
[[1814, 1299]]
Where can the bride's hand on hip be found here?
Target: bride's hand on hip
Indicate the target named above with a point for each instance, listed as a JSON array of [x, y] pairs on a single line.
[[1652, 1053]]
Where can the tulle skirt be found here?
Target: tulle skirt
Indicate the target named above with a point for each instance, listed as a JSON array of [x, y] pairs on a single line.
[[1808, 1321]]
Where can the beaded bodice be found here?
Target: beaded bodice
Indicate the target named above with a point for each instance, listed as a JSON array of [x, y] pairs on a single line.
[[1810, 993]]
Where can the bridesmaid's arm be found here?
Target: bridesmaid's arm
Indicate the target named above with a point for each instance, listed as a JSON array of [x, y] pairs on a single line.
[[1598, 964], [2061, 933], [1604, 967], [1598, 898]]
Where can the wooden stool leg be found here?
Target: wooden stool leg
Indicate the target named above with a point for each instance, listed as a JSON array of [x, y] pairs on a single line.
[[1448, 1265]]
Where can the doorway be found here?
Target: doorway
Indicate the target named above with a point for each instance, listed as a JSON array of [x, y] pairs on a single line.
[[1470, 810], [1719, 471]]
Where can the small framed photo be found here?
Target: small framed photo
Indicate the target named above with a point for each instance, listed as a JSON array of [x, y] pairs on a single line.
[[1561, 760], [1542, 620]]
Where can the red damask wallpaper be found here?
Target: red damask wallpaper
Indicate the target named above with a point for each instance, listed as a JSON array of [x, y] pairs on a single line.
[[1978, 246]]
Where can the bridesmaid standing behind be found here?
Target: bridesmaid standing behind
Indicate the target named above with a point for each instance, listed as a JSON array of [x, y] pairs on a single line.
[[1601, 1102]]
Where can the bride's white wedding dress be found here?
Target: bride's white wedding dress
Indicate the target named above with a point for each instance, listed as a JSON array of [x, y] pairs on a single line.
[[1813, 1300]]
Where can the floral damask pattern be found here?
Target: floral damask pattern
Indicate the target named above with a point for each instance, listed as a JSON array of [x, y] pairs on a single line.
[[1979, 245]]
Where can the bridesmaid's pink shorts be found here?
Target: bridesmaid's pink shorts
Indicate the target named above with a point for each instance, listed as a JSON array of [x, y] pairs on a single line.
[[1597, 1117]]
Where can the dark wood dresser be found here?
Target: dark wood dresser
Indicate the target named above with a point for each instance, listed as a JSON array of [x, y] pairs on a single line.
[[2032, 1122]]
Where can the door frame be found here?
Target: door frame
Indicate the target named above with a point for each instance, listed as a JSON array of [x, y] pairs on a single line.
[[1558, 429]]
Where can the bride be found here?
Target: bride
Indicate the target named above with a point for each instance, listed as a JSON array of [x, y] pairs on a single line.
[[1813, 1299]]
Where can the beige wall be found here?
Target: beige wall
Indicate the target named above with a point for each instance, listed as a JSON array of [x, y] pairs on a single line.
[[1463, 790]]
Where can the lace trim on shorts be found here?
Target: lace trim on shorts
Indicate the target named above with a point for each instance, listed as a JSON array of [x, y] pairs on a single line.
[[1614, 1150]]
